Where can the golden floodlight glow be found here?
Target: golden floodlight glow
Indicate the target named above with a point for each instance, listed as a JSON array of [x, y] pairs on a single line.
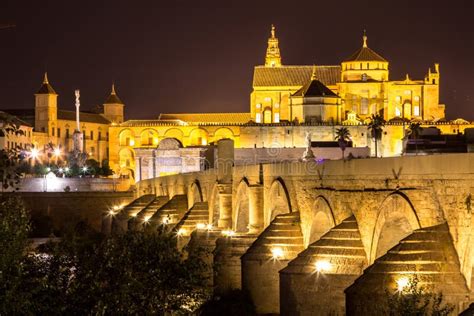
[[277, 253], [57, 152], [201, 226], [323, 266], [111, 212], [146, 219], [402, 283], [134, 214], [180, 232], [165, 220], [228, 233], [34, 153], [209, 226]]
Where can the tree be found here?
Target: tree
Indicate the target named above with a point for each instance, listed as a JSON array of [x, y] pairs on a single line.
[[375, 127], [14, 229], [343, 136], [414, 300], [11, 158], [413, 132], [133, 273]]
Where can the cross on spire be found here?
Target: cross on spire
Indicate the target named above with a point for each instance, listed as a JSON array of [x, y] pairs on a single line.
[[364, 39]]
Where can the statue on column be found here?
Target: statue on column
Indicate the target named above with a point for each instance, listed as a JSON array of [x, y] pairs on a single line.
[[308, 153], [78, 157]]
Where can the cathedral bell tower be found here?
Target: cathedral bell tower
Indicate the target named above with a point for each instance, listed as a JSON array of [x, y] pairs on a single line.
[[273, 58], [46, 107]]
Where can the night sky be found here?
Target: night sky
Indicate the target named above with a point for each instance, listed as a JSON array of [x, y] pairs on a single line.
[[198, 56]]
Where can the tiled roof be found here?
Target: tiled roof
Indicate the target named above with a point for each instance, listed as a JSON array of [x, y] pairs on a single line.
[[157, 122], [365, 54], [83, 116], [113, 99], [294, 76], [5, 116], [46, 88], [315, 88], [209, 118], [26, 115]]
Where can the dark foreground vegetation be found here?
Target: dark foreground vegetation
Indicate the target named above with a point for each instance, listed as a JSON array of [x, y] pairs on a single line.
[[88, 273]]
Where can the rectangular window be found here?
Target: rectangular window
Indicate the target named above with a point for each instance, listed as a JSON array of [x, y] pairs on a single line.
[[100, 135], [67, 132], [258, 118], [52, 131], [92, 135], [277, 118], [364, 106], [107, 135], [59, 132]]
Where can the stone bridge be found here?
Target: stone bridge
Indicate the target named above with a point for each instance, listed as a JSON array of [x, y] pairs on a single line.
[[326, 238]]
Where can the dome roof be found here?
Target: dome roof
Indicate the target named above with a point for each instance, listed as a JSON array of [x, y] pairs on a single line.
[[365, 54]]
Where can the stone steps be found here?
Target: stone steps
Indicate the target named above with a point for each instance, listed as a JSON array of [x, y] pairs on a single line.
[[289, 239], [198, 214], [433, 260], [136, 206], [170, 213], [147, 212], [341, 248]]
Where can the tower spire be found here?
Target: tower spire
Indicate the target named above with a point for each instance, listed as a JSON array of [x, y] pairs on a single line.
[[45, 79], [313, 74], [364, 39], [113, 89], [273, 57]]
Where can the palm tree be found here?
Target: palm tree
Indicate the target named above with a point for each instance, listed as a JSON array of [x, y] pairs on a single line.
[[375, 127], [413, 132], [343, 136]]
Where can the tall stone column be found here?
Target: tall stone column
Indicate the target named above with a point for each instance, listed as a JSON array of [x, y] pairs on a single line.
[[255, 209], [225, 206]]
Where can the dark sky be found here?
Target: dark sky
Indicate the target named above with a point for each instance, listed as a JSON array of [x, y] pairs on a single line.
[[198, 56]]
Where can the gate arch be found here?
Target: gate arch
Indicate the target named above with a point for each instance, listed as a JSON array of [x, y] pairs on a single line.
[[396, 220]]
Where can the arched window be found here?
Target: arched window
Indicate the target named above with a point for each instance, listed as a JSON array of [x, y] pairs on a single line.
[[258, 118], [267, 116]]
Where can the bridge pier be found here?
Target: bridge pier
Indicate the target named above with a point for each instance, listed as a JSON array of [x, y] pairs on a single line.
[[227, 264], [256, 217], [315, 281], [271, 252], [427, 254], [225, 206]]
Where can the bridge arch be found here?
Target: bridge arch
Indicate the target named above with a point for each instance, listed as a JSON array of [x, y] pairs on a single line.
[[322, 220], [194, 194], [242, 215], [278, 199], [214, 209], [396, 219]]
